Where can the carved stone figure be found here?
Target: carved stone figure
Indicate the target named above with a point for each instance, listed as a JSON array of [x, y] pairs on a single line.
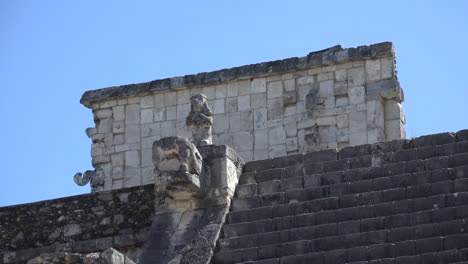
[[96, 177], [178, 164], [200, 121]]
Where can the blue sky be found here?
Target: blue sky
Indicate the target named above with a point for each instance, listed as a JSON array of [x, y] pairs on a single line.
[[53, 51]]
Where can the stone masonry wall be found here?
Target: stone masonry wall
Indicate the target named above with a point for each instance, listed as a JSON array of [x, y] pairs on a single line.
[[328, 99], [80, 224]]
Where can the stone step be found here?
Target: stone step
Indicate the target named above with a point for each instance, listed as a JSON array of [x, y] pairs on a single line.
[[354, 167], [355, 181], [425, 147], [347, 208], [351, 249], [455, 256], [398, 227], [342, 195]]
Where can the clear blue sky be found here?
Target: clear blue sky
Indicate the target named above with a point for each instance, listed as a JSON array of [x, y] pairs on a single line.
[[53, 51]]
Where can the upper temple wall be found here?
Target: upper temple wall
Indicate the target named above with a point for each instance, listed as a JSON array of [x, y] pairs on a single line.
[[328, 99]]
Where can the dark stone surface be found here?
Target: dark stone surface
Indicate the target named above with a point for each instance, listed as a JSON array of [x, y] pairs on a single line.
[[324, 57]]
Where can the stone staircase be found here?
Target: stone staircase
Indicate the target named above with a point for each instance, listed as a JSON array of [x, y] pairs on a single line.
[[402, 201]]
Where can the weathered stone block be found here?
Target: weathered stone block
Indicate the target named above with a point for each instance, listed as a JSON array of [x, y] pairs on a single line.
[[261, 139], [258, 101], [356, 77], [357, 122], [375, 114], [393, 110], [274, 89], [260, 118], [132, 114], [373, 70], [276, 135], [258, 85], [356, 95], [232, 89], [221, 123], [231, 105], [220, 91], [275, 108], [387, 67], [327, 89], [243, 140], [243, 103], [277, 150]]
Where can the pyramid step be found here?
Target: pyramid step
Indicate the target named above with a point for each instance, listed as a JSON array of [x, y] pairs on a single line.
[[345, 196], [355, 181], [352, 248]]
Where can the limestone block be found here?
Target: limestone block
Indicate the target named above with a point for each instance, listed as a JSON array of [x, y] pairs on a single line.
[[147, 102], [158, 101], [277, 151], [246, 120], [341, 88], [132, 177], [117, 159], [275, 108], [132, 158], [261, 154], [118, 113], [287, 76], [118, 127], [375, 135], [118, 139], [276, 135], [327, 134], [274, 89], [341, 101], [153, 129], [326, 89], [170, 99], [234, 122], [304, 90], [105, 125], [183, 97], [289, 85], [243, 140], [358, 138], [329, 102], [261, 139], [123, 101], [132, 114], [117, 172], [301, 107], [246, 155], [117, 184], [341, 75], [375, 115], [342, 135], [291, 144], [393, 110], [306, 123], [358, 123], [243, 103], [290, 98], [372, 70], [134, 100], [290, 127], [221, 123], [342, 121], [394, 129], [108, 104], [132, 134], [244, 87], [258, 85], [97, 149], [356, 77], [326, 121], [328, 145], [147, 175], [314, 71], [183, 110], [387, 67], [276, 122], [220, 91], [146, 116], [147, 157], [103, 113], [290, 110], [224, 139], [330, 68], [305, 80], [100, 159], [258, 100], [209, 92], [325, 76], [356, 95], [232, 89], [170, 112], [168, 129], [123, 147], [231, 105], [218, 106]]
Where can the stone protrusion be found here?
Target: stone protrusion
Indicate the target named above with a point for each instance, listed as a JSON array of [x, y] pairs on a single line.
[[200, 120]]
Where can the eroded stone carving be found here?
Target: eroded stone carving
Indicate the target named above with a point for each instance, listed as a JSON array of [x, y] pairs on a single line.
[[200, 120], [178, 164], [96, 177]]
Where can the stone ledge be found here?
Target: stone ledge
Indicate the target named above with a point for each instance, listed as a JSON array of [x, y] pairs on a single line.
[[324, 57]]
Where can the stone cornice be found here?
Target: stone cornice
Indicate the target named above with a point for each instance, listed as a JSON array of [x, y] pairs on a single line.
[[330, 56]]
